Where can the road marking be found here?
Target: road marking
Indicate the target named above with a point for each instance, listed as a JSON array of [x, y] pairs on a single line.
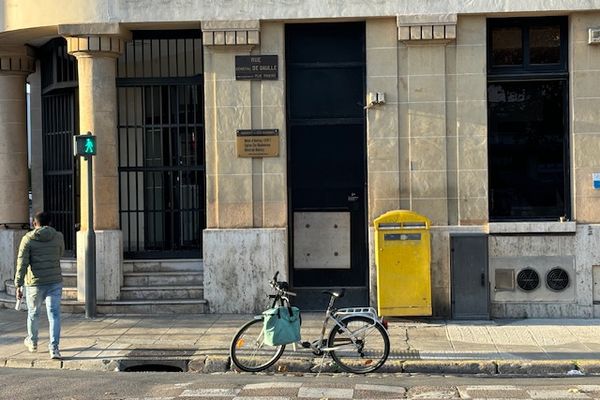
[[210, 393], [380, 388], [261, 398], [330, 393], [272, 385], [589, 388], [556, 394], [149, 398], [435, 394], [491, 387]]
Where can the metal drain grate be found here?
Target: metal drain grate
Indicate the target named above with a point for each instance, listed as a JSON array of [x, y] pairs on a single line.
[[152, 365], [557, 279], [528, 279]]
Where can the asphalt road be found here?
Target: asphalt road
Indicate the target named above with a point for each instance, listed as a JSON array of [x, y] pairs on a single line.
[[17, 384]]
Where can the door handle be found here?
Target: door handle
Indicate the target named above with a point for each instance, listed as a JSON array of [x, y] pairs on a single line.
[[483, 279]]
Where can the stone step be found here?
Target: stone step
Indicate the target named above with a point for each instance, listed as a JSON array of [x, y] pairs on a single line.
[[140, 307], [121, 307], [193, 265], [68, 265], [171, 278], [162, 292], [147, 307], [69, 279], [68, 292]]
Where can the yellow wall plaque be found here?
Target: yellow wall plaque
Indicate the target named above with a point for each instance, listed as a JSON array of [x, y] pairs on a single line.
[[257, 142]]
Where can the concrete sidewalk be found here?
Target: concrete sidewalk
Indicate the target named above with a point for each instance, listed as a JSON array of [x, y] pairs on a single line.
[[200, 343]]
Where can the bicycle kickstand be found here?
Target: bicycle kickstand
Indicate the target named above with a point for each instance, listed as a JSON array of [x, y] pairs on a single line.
[[321, 363]]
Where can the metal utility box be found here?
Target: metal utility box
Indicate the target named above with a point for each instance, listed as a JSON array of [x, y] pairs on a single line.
[[403, 260], [469, 271]]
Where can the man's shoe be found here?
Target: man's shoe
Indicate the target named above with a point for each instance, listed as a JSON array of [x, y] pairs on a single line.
[[32, 347], [55, 354]]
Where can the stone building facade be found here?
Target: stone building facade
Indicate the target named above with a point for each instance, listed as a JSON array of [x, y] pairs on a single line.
[[482, 116]]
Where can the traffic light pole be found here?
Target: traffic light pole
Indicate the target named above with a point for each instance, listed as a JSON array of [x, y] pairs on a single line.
[[90, 248]]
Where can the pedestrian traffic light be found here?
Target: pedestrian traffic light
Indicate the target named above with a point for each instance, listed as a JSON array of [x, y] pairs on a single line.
[[85, 145]]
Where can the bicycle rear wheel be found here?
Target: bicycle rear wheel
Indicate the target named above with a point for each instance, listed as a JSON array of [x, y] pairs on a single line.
[[368, 351], [248, 350]]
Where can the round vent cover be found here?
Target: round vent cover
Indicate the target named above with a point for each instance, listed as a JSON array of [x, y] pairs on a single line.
[[557, 279], [528, 279]]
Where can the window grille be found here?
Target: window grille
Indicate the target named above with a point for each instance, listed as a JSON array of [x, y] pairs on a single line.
[[161, 144], [59, 124]]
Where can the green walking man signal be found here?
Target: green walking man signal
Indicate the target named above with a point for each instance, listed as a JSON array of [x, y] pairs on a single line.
[[85, 145]]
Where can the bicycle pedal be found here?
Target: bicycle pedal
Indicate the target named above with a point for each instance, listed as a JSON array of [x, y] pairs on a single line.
[[306, 345]]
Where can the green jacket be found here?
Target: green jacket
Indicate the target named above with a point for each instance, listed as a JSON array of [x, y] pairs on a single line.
[[38, 262]]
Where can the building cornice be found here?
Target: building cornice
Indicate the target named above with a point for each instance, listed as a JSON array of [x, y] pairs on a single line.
[[231, 33], [17, 60], [426, 28], [95, 45]]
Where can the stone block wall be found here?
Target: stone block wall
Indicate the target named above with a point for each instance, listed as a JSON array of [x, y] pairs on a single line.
[[244, 192], [585, 117], [238, 264]]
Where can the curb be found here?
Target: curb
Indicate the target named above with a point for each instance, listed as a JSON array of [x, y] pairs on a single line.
[[208, 364]]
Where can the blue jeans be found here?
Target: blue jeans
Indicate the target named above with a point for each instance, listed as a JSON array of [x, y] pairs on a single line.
[[35, 295]]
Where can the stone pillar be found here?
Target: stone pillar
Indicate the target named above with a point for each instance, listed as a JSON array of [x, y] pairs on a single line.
[[423, 141], [15, 64], [471, 124], [584, 121], [382, 130], [426, 157], [96, 65]]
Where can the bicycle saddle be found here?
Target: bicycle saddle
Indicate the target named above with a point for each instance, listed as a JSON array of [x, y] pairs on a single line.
[[339, 294]]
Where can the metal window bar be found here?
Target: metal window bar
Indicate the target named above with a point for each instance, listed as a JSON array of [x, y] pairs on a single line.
[[59, 121], [162, 210], [59, 176]]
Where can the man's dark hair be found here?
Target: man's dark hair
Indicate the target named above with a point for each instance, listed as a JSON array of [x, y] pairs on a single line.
[[42, 218]]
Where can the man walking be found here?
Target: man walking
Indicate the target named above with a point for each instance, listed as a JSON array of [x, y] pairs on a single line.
[[38, 267]]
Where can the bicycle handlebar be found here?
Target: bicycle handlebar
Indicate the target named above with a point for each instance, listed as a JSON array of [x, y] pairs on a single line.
[[278, 286]]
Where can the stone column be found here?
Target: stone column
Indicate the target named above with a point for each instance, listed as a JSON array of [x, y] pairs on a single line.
[[96, 65], [15, 64]]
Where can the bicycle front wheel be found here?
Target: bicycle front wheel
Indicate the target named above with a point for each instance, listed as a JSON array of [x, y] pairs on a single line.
[[248, 350], [363, 348]]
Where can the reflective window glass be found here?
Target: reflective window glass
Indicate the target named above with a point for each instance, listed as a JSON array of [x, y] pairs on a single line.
[[544, 44], [507, 46]]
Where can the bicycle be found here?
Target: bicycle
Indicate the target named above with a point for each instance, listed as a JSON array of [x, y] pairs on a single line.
[[358, 342]]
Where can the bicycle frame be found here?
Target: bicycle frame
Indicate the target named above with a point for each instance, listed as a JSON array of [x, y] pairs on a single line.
[[333, 315], [348, 339]]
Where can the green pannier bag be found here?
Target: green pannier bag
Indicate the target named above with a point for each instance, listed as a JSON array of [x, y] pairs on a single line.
[[281, 325]]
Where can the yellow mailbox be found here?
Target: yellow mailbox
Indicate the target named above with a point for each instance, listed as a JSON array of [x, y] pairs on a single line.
[[403, 259]]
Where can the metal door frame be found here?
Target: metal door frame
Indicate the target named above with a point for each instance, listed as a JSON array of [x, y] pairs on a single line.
[[316, 290], [452, 293]]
